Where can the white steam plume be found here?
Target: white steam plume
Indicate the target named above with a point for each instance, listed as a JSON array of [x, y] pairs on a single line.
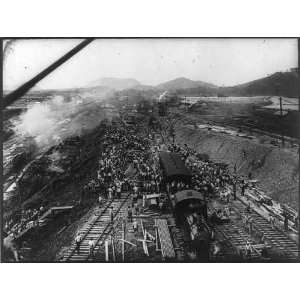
[[54, 120]]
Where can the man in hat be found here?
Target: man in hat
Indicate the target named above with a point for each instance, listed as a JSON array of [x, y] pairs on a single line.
[[78, 240]]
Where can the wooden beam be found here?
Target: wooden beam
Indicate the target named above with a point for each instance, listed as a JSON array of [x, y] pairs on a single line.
[[22, 90], [113, 249], [106, 251], [123, 241]]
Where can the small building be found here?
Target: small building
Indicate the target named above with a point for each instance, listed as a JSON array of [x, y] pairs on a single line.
[[190, 100]]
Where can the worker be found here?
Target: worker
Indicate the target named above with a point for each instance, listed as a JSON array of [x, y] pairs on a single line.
[[234, 190], [91, 247], [111, 214], [272, 221], [262, 238], [286, 222], [136, 209], [248, 209], [296, 222], [110, 193], [135, 189], [134, 197], [119, 191], [100, 199], [226, 212], [227, 195], [129, 214], [248, 248], [135, 226], [78, 239], [161, 205], [216, 248], [250, 224], [243, 188], [264, 252]]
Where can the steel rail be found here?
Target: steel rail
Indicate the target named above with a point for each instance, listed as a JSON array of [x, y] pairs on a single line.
[[109, 225], [90, 227]]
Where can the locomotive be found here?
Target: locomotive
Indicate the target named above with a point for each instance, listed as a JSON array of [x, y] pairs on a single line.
[[189, 206]]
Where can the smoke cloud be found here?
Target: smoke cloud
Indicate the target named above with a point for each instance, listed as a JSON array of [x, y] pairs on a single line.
[[50, 122]]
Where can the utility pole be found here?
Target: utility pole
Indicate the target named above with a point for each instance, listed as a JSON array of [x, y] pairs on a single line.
[[234, 182], [281, 112], [281, 115], [113, 247]]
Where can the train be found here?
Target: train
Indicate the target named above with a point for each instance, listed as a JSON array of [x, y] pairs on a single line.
[[188, 205]]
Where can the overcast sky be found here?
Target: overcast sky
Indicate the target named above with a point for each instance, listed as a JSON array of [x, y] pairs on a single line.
[[150, 61]]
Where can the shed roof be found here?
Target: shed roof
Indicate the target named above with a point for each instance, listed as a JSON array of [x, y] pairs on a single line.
[[173, 164], [187, 195]]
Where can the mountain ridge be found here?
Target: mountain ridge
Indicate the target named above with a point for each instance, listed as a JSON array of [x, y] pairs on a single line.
[[182, 83], [279, 83], [114, 83]]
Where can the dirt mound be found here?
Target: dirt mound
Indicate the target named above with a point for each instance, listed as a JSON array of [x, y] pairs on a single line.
[[276, 169]]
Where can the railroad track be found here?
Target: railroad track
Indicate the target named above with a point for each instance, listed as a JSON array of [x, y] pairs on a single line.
[[177, 237], [97, 230], [236, 236], [235, 239], [276, 238]]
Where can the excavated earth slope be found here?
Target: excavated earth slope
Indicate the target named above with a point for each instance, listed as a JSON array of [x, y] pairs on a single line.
[[276, 169]]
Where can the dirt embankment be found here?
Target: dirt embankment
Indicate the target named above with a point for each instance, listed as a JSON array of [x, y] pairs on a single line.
[[276, 169]]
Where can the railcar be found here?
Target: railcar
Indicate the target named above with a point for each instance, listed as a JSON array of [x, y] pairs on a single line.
[[189, 206], [173, 168]]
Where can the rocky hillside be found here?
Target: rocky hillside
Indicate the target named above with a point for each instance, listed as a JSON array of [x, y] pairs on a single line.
[[183, 83], [276, 169], [280, 83]]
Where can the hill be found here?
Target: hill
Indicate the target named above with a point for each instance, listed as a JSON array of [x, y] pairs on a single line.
[[183, 83], [280, 83], [115, 83]]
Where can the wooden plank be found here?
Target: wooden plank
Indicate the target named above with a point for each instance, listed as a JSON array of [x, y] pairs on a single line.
[[167, 248], [62, 207]]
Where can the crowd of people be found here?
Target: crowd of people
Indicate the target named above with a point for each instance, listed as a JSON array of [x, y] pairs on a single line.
[[208, 178], [126, 165], [26, 219], [214, 179], [129, 162]]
